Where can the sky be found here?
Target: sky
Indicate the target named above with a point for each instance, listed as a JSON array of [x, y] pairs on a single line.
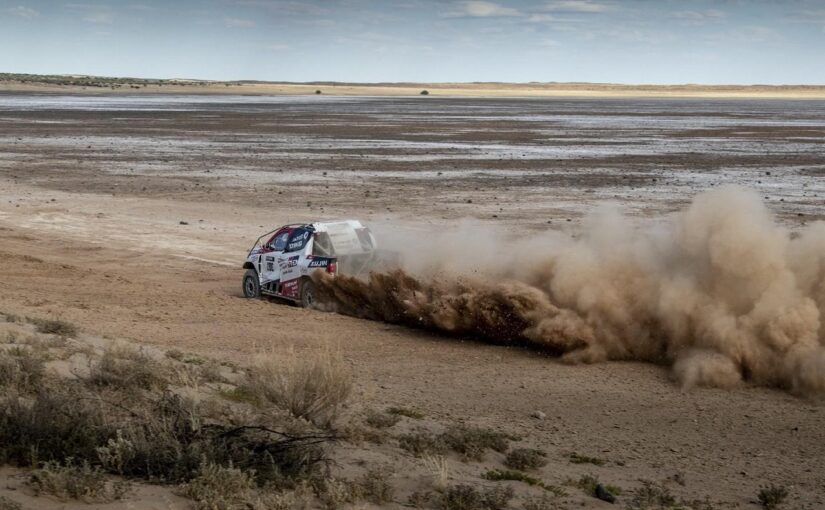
[[631, 41]]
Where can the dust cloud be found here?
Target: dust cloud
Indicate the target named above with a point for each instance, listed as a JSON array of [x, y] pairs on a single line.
[[719, 291]]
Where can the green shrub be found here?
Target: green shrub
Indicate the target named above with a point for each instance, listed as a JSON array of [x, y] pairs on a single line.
[[575, 458], [406, 412]]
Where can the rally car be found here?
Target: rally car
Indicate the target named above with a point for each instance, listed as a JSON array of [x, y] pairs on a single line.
[[280, 262]]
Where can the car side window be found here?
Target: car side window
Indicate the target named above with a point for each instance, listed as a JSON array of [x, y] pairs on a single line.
[[279, 243]]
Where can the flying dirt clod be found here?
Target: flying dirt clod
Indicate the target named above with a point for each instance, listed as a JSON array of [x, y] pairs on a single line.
[[720, 292]]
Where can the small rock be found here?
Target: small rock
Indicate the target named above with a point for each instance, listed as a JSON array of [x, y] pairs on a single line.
[[538, 415], [604, 494], [184, 222]]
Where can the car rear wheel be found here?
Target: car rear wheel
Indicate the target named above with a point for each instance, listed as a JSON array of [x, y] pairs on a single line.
[[251, 285], [307, 293]]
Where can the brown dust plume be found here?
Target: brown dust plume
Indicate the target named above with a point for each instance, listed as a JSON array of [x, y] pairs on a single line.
[[720, 292]]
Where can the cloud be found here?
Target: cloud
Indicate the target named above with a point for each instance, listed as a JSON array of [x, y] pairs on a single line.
[[578, 6], [238, 23], [98, 17], [746, 35], [542, 18], [482, 9], [23, 12], [285, 7], [700, 17], [93, 13]]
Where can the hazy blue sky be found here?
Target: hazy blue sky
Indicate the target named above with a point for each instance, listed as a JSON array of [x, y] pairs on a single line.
[[635, 41]]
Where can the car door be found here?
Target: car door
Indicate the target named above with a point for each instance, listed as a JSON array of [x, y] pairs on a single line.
[[270, 266], [291, 262]]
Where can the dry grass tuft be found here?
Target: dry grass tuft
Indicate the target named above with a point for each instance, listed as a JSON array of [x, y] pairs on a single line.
[[54, 327], [439, 470], [468, 497], [772, 496], [128, 370], [381, 420], [472, 442], [217, 487], [311, 386], [20, 370], [8, 504], [406, 412], [76, 481], [525, 459]]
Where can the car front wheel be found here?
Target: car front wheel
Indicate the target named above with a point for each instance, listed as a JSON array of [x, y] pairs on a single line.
[[251, 285]]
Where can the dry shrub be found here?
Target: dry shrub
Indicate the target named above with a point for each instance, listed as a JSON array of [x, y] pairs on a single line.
[[54, 327], [381, 420], [772, 496], [311, 386], [219, 488], [59, 422], [576, 458], [422, 443], [128, 370], [335, 492], [376, 487], [406, 412], [164, 440], [22, 371], [468, 497], [439, 470], [472, 442], [8, 504], [76, 481], [525, 459]]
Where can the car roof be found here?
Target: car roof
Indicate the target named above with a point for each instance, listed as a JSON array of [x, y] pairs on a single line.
[[325, 226]]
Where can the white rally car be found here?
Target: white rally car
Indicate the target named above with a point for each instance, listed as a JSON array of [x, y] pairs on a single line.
[[280, 262]]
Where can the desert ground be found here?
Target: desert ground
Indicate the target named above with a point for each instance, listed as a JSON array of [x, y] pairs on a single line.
[[97, 85], [130, 216]]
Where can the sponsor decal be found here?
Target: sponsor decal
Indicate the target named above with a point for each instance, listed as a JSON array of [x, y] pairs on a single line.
[[298, 239], [270, 266], [270, 259], [290, 289], [319, 262]]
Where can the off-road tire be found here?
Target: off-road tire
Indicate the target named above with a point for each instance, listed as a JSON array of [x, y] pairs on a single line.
[[251, 284], [307, 293]]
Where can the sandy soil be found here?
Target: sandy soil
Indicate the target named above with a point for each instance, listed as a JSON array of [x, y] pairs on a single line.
[[91, 205], [445, 89]]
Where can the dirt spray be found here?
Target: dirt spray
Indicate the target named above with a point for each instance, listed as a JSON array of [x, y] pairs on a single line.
[[719, 291]]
